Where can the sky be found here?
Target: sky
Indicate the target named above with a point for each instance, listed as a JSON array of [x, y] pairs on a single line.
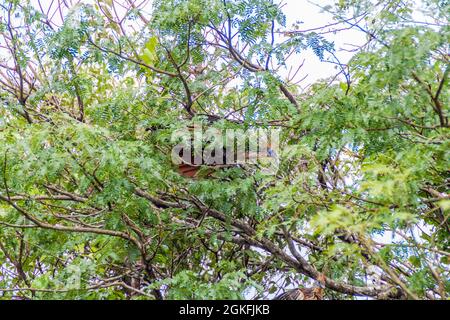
[[312, 16]]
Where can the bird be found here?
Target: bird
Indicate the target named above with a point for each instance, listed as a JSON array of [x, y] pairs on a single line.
[[314, 293], [302, 294], [189, 169]]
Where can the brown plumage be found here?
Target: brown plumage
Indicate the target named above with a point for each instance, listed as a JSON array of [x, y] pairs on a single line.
[[314, 293], [189, 170], [302, 294]]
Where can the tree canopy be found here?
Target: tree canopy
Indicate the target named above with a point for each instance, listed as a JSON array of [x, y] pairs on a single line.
[[92, 206]]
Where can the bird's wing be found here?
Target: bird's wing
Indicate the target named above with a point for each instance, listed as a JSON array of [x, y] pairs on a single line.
[[299, 295], [295, 294], [312, 293]]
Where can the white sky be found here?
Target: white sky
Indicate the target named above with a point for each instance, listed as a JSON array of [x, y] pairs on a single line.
[[312, 16]]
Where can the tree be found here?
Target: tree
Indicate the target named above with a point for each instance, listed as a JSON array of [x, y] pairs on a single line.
[[92, 207]]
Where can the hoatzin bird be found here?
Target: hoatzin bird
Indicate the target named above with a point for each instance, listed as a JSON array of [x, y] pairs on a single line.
[[315, 293], [190, 170], [302, 294]]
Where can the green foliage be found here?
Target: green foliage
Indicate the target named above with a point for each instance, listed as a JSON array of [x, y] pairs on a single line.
[[92, 207]]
